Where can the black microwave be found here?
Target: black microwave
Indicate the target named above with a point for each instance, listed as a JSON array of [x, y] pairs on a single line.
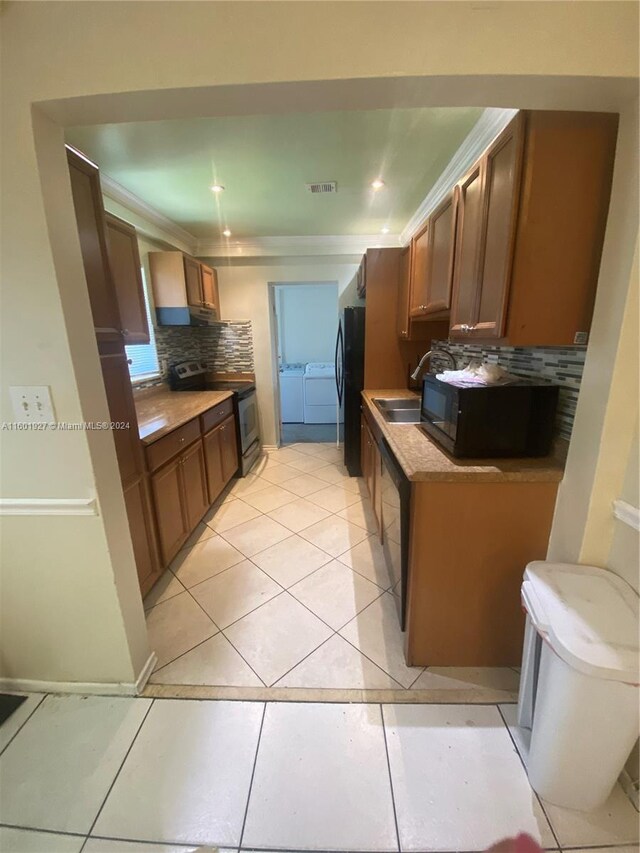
[[480, 421]]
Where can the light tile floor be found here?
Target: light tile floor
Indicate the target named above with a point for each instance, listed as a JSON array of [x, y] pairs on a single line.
[[127, 775], [284, 584]]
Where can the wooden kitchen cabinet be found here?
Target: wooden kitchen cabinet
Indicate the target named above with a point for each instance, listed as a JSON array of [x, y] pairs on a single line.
[[193, 280], [166, 485], [90, 216], [229, 448], [432, 263], [143, 536], [209, 278], [126, 268], [194, 480], [179, 282], [213, 458], [404, 292], [530, 230]]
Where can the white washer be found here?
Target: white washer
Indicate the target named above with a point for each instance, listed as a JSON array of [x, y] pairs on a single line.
[[291, 393], [320, 395]]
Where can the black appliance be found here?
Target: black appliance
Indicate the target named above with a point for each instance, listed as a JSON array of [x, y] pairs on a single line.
[[192, 376], [350, 382], [480, 421], [395, 495]]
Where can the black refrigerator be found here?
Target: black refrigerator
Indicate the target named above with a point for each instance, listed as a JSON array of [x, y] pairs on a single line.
[[350, 382]]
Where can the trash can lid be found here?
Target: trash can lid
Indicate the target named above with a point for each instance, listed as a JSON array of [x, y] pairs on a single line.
[[588, 615]]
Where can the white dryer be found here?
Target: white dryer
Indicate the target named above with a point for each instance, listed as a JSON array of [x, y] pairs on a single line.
[[320, 395], [291, 393]]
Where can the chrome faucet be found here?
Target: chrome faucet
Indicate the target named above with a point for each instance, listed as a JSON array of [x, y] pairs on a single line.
[[443, 352]]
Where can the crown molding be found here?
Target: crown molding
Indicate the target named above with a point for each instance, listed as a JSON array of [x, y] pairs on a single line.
[[489, 125], [136, 205], [320, 244]]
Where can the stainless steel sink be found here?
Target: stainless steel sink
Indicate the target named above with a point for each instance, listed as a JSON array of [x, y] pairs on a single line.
[[396, 403], [399, 410]]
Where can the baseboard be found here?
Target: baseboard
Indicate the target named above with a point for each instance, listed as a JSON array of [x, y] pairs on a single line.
[[133, 688], [630, 788], [269, 448]]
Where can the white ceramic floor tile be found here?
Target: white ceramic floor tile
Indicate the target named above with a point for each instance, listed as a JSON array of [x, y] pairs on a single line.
[[336, 664], [616, 822], [308, 464], [468, 678], [376, 633], [269, 499], [29, 841], [298, 514], [311, 448], [279, 474], [193, 761], [304, 485], [247, 485], [458, 782], [284, 455], [228, 515], [367, 559], [335, 593], [202, 532], [234, 593], [12, 724], [277, 636], [256, 535], [331, 454], [177, 625], [290, 560], [213, 662], [203, 561], [108, 845], [57, 771], [334, 498], [166, 587], [334, 535], [321, 780], [334, 474], [360, 513]]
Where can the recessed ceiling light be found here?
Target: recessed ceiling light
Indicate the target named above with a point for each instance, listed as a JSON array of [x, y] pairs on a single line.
[[385, 230], [217, 188], [377, 184], [226, 232]]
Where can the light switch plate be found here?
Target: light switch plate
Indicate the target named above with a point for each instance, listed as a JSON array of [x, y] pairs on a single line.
[[32, 403]]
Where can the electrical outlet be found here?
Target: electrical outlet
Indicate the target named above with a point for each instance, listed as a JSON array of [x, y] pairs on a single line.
[[32, 403]]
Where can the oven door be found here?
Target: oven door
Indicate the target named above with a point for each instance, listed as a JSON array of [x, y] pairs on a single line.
[[248, 421]]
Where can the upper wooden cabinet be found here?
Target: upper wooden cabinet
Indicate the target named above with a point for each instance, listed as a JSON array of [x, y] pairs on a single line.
[[127, 277], [89, 210], [404, 287], [530, 229], [361, 278], [432, 263], [179, 283]]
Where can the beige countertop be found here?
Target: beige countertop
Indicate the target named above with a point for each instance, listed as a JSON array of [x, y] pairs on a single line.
[[160, 411], [422, 459]]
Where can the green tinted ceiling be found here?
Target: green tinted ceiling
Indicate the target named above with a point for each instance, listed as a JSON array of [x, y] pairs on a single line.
[[265, 161]]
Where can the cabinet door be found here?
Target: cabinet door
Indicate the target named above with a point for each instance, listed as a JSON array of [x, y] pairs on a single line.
[[377, 485], [213, 460], [418, 287], [193, 280], [194, 479], [467, 255], [117, 384], [502, 165], [442, 226], [229, 445], [143, 537], [210, 287], [127, 277], [166, 485], [87, 202], [403, 293]]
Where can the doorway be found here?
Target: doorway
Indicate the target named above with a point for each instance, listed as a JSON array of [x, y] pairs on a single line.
[[304, 328]]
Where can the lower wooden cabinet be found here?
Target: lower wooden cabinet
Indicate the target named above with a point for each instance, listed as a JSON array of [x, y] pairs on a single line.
[[221, 455], [194, 481], [371, 464], [143, 537], [166, 485]]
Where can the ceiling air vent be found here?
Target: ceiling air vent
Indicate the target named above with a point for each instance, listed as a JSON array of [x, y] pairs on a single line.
[[323, 187]]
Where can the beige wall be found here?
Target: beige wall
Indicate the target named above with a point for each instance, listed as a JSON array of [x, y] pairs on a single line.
[[244, 295], [71, 610]]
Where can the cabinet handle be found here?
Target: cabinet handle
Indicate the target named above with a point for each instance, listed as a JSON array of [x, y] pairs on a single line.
[[182, 440], [124, 332]]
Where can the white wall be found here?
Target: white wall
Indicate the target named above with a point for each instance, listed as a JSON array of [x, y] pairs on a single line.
[[71, 610], [307, 321]]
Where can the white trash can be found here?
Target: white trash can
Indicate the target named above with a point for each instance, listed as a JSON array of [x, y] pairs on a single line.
[[579, 682]]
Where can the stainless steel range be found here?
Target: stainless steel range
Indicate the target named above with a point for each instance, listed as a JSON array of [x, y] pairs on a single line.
[[192, 376]]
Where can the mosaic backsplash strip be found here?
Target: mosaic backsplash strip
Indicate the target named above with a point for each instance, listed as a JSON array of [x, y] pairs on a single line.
[[562, 366], [225, 347]]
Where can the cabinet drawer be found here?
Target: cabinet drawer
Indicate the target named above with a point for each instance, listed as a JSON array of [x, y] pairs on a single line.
[[212, 417], [162, 450]]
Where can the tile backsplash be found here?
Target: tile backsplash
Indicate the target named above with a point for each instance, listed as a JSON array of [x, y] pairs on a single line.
[[562, 366], [226, 347]]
